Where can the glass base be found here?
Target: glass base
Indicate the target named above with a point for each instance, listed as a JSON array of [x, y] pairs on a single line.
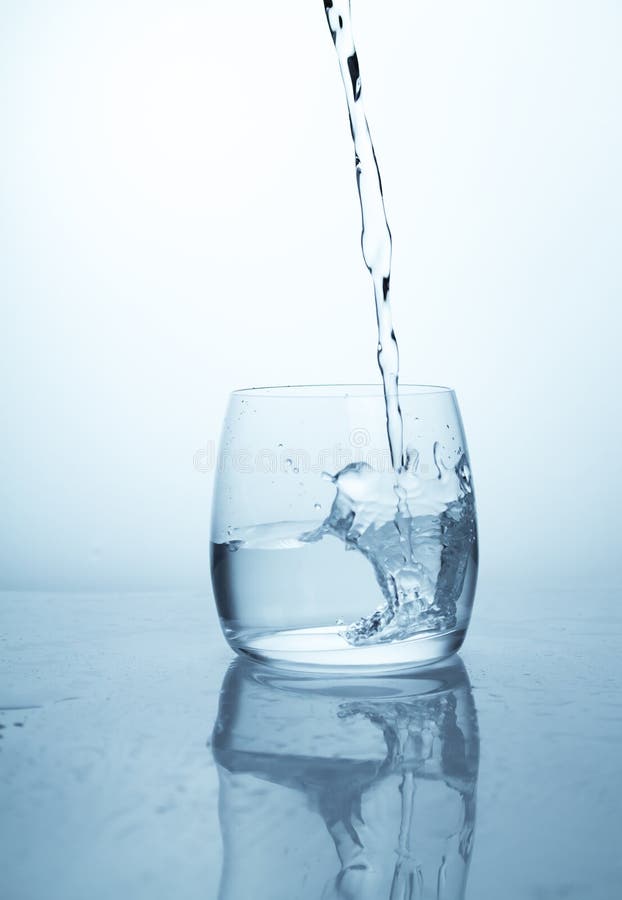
[[323, 650]]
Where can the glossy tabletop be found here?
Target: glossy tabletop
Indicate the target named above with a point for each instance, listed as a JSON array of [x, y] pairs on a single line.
[[137, 759]]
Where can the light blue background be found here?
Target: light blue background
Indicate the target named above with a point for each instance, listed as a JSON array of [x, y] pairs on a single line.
[[179, 218]]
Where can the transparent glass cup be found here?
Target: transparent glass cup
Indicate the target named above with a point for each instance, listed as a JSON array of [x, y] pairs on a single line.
[[322, 557]]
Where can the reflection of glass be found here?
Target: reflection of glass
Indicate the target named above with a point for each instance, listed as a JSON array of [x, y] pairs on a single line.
[[346, 788], [304, 475]]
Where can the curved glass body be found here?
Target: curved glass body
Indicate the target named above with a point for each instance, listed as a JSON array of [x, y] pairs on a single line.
[[346, 787], [321, 556]]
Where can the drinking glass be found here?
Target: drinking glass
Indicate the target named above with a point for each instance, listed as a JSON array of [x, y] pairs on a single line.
[[321, 556]]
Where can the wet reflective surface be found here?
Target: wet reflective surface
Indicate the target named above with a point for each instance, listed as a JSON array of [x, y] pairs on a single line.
[[381, 778], [138, 758]]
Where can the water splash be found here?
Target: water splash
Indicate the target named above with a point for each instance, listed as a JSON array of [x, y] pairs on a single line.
[[418, 544]]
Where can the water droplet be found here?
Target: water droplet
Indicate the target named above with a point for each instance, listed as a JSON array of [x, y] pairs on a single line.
[[234, 546], [438, 462], [412, 460], [317, 506]]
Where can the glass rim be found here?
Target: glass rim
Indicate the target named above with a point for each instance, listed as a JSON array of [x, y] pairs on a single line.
[[339, 391]]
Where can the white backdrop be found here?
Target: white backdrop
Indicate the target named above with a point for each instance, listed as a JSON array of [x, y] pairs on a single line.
[[179, 218]]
